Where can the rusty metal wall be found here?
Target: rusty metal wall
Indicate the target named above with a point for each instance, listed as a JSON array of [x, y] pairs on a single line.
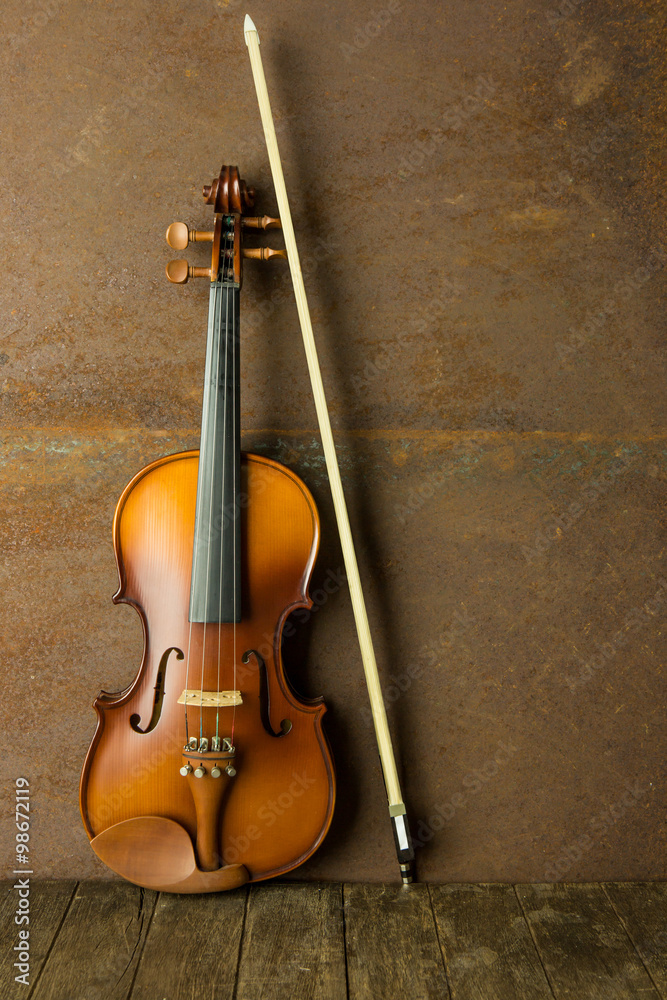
[[477, 197]]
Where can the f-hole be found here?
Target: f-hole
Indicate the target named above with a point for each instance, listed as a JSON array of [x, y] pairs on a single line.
[[264, 697], [159, 693]]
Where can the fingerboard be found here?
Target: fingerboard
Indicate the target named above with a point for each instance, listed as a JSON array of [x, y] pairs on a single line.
[[215, 590]]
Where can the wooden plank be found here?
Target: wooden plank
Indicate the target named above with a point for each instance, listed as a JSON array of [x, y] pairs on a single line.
[[642, 907], [293, 945], [488, 948], [192, 947], [48, 903], [392, 944], [99, 944], [583, 945]]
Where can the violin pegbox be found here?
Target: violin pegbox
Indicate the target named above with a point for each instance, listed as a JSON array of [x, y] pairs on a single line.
[[230, 198]]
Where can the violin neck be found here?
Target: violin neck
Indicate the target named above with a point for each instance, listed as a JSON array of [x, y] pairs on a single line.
[[215, 591]]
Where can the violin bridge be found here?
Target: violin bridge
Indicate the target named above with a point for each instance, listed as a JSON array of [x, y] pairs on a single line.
[[210, 699]]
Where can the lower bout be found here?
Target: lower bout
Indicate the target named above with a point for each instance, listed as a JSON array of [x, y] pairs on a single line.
[[270, 816]]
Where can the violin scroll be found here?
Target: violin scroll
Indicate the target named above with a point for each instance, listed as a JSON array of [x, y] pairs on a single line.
[[228, 193]]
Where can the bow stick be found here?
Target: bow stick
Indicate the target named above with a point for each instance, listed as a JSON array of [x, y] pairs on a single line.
[[397, 812]]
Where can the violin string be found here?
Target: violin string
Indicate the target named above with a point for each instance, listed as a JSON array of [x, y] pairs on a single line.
[[187, 659], [203, 445], [222, 495], [237, 512], [215, 371]]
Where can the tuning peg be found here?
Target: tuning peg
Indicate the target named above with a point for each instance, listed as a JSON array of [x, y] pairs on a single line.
[[260, 222], [179, 271], [179, 235], [264, 253]]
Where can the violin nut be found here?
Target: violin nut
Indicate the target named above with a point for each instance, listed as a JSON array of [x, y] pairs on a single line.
[[215, 771], [231, 771], [186, 770], [200, 771]]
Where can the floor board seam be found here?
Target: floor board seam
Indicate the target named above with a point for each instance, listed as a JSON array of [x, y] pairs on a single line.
[[550, 984], [241, 943], [342, 906], [143, 947], [450, 989], [53, 941], [657, 989]]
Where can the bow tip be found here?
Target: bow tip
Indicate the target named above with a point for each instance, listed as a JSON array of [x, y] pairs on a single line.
[[249, 25]]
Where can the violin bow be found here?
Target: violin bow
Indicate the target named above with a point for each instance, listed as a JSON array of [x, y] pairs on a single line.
[[397, 811]]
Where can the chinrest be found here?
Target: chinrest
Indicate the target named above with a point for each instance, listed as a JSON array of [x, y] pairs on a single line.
[[157, 853]]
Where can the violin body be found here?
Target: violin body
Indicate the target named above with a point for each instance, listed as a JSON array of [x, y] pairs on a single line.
[[277, 808]]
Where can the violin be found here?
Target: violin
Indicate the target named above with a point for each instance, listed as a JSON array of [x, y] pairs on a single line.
[[208, 771]]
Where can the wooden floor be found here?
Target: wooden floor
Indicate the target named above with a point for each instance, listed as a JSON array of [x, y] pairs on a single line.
[[93, 941]]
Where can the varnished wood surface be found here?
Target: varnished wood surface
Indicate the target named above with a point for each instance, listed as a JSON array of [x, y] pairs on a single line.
[[132, 771], [302, 941]]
